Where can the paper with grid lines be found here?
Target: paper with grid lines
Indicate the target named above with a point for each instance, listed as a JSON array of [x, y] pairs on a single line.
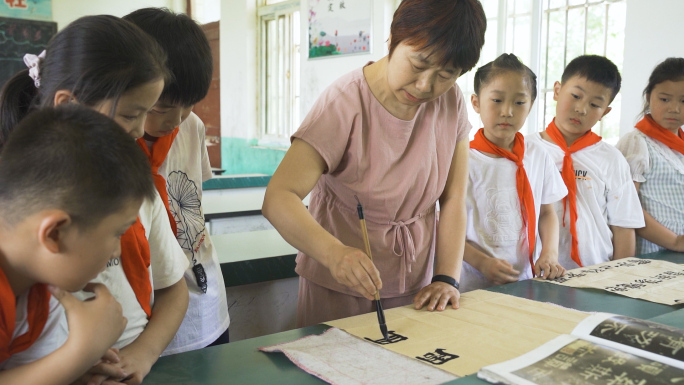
[[339, 358]]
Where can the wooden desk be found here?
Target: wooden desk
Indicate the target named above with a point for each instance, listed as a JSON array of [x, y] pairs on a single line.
[[241, 363]]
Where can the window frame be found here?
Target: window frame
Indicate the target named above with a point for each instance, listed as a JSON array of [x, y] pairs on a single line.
[[266, 13], [539, 51], [544, 18]]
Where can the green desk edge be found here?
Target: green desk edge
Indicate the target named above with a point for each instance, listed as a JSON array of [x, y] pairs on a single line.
[[219, 183], [241, 363]]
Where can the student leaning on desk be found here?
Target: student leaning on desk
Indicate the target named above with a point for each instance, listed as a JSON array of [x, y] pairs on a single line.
[[394, 133]]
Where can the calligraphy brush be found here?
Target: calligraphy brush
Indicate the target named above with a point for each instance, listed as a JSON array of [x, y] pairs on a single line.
[[378, 305]]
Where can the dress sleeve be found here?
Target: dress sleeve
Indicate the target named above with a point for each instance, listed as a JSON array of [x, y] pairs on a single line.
[[327, 127], [464, 126], [633, 147]]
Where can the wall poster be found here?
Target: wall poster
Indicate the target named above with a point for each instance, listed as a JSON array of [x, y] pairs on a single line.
[[339, 27]]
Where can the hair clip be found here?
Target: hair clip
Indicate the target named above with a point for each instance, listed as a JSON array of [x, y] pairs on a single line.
[[31, 62]]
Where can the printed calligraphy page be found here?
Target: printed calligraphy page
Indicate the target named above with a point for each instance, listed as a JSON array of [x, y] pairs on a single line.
[[647, 279], [570, 360], [488, 328], [643, 338]]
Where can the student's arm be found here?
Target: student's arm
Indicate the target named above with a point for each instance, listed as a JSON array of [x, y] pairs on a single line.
[[295, 177], [548, 233], [94, 325], [495, 270], [659, 234], [170, 305], [450, 244], [624, 242]]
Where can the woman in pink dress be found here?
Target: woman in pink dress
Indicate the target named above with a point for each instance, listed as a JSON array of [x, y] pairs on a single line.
[[395, 134]]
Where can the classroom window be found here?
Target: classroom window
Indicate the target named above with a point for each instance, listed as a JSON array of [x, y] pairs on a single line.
[[576, 27], [546, 35], [279, 64]]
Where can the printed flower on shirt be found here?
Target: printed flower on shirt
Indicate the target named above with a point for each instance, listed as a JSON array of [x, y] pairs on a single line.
[[185, 206]]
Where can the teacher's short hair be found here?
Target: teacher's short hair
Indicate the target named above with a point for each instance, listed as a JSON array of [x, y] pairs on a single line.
[[454, 30]]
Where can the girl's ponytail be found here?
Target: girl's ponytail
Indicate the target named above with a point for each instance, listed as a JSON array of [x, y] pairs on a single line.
[[17, 97]]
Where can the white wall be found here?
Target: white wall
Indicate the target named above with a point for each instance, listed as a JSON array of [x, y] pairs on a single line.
[[66, 11], [238, 36], [317, 74], [653, 33], [239, 63]]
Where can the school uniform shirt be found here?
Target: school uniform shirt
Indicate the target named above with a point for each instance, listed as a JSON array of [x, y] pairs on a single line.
[[50, 339], [167, 266], [185, 168], [493, 207], [660, 172], [606, 197], [397, 168]]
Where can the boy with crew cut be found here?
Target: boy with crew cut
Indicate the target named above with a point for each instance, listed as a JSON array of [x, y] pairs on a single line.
[[602, 209], [71, 183], [174, 142]]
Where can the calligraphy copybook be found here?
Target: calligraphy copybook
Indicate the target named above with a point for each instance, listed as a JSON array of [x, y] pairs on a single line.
[[604, 349], [647, 279]]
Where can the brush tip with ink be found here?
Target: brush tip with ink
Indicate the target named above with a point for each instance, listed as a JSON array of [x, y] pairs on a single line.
[[381, 319]]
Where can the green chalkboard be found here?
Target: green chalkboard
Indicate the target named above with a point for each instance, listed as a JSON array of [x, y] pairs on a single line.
[[19, 37]]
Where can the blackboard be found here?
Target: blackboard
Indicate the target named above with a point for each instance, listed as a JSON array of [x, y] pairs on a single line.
[[19, 37]]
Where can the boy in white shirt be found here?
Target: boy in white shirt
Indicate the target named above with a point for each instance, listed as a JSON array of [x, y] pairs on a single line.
[[512, 185], [174, 141], [602, 209], [70, 186]]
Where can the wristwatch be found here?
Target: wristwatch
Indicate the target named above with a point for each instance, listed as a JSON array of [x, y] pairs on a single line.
[[445, 279]]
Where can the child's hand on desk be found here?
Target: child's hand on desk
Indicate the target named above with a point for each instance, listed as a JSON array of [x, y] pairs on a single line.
[[353, 268], [135, 361], [105, 371], [94, 324], [548, 264], [498, 271]]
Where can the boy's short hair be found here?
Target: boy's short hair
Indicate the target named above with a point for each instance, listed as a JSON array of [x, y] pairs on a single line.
[[453, 29], [187, 49], [598, 69], [74, 159]]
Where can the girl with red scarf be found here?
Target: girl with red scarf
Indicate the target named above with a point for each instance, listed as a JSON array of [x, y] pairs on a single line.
[[512, 185], [655, 153]]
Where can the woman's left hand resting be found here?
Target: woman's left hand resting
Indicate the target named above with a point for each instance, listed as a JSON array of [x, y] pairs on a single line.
[[437, 295]]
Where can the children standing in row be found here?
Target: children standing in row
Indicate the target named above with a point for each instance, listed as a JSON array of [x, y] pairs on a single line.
[[71, 183], [123, 81], [174, 142], [655, 153], [512, 185], [602, 209]]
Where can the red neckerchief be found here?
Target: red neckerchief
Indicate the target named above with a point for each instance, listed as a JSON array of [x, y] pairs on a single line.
[[655, 131], [135, 260], [160, 148], [38, 309], [568, 173], [481, 143]]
